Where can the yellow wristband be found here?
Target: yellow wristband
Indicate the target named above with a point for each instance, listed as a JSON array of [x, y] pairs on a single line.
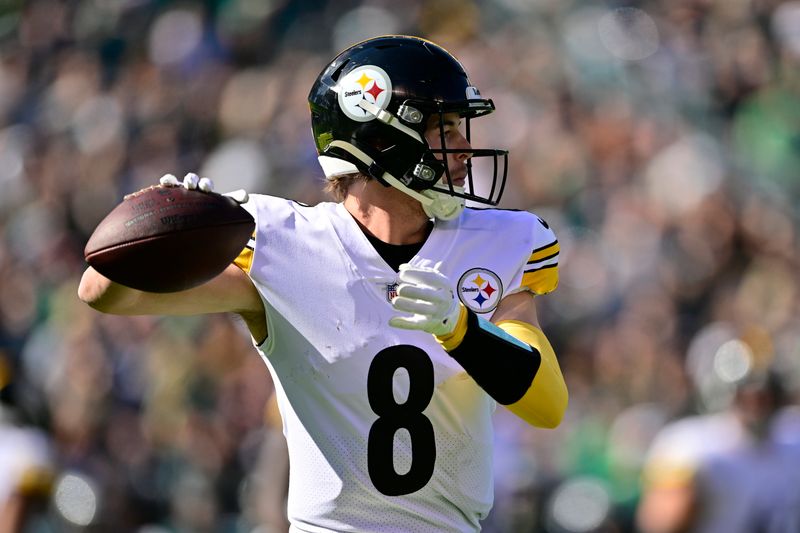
[[451, 341]]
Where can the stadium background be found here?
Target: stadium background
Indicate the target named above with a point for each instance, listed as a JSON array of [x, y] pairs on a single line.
[[661, 140]]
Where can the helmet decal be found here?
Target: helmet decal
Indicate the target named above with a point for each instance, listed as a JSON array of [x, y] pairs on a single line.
[[473, 93], [368, 83]]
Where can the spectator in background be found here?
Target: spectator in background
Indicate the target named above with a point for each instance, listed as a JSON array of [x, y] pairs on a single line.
[[731, 471], [755, 487], [26, 463]]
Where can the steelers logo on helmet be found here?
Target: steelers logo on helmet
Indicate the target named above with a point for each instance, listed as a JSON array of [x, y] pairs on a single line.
[[368, 83], [480, 290]]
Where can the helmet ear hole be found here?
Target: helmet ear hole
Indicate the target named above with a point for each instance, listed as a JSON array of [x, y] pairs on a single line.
[[410, 114]]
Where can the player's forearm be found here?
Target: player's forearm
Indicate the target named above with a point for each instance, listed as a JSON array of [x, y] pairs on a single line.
[[515, 364], [231, 291], [107, 296], [104, 295]]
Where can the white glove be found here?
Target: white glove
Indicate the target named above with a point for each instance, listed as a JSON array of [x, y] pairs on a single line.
[[426, 295], [192, 181]]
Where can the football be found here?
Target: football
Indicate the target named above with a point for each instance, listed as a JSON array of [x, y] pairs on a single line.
[[169, 239]]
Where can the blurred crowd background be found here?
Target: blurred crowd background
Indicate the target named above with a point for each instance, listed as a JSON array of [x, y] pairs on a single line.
[[660, 139]]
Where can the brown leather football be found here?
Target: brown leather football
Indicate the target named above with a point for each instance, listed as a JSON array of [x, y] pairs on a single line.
[[169, 239]]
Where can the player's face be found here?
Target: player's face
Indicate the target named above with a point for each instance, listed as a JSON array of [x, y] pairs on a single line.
[[454, 140]]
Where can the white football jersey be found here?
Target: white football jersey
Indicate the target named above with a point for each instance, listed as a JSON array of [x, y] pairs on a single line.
[[385, 431]]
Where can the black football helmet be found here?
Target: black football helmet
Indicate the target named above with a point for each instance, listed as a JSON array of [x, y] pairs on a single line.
[[370, 108]]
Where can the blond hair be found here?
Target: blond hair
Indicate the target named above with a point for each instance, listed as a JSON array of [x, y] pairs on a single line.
[[338, 186]]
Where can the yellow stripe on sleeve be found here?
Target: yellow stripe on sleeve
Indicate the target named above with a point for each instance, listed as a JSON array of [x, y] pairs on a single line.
[[540, 275], [245, 258], [541, 281], [544, 253]]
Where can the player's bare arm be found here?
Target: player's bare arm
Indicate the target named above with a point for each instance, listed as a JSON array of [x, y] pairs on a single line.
[[232, 291], [520, 306]]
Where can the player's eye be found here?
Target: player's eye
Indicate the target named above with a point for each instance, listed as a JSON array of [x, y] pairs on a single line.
[[453, 132]]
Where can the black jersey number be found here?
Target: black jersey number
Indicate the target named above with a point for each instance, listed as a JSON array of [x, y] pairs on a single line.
[[393, 416]]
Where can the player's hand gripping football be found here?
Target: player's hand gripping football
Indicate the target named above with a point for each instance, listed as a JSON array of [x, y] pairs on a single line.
[[192, 181], [426, 296]]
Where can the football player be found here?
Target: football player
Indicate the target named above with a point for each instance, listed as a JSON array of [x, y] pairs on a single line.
[[393, 320]]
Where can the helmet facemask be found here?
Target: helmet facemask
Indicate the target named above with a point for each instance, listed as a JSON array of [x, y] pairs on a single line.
[[467, 110]]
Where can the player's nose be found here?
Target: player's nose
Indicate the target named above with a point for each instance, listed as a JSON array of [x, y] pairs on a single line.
[[461, 143]]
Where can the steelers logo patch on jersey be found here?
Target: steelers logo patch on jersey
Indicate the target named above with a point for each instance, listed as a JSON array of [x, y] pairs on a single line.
[[480, 290], [368, 83]]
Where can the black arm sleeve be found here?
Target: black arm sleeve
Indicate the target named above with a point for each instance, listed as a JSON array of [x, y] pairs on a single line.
[[503, 366]]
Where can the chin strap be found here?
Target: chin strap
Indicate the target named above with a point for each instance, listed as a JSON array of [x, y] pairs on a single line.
[[444, 206], [435, 204]]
